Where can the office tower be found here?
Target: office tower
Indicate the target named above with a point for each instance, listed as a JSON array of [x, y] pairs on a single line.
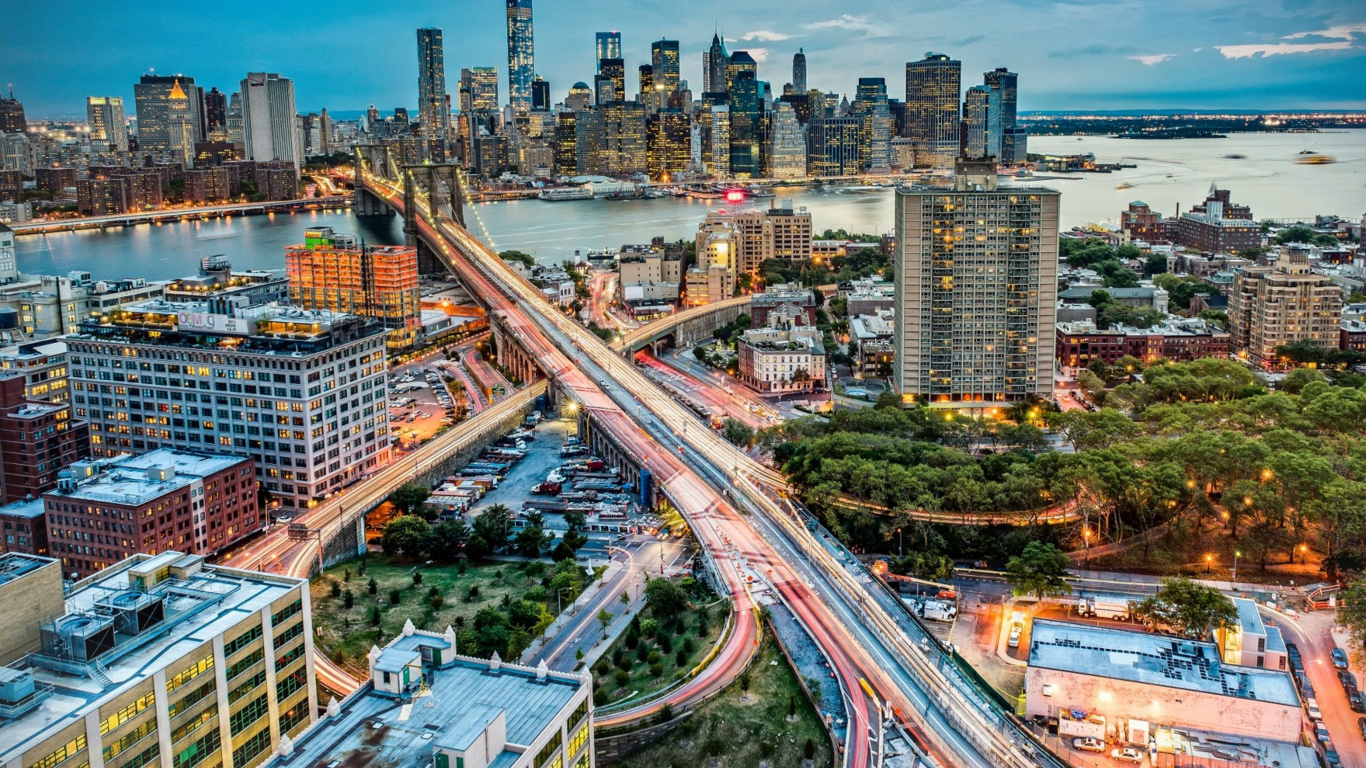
[[739, 62], [718, 144], [832, 146], [215, 111], [645, 73], [483, 88], [9, 268], [668, 135], [107, 122], [268, 118], [714, 63], [325, 132], [341, 273], [976, 118], [1005, 137], [1269, 307], [431, 86], [589, 140], [233, 121], [976, 290], [566, 142], [869, 107], [624, 143], [280, 358], [12, 115], [521, 54], [611, 81], [161, 127], [746, 123], [932, 94], [799, 72], [540, 94], [664, 58], [580, 97], [187, 659], [787, 149], [608, 46]]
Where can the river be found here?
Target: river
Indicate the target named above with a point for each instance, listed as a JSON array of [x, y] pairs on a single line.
[[1169, 172]]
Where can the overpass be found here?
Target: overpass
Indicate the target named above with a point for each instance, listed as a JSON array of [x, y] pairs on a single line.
[[738, 511], [180, 214], [683, 327]]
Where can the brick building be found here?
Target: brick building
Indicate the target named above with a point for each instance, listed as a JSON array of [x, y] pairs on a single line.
[[1080, 344], [1218, 226], [37, 439], [1142, 223], [1273, 306]]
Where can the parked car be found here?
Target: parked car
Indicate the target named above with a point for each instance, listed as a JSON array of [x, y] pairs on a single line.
[[1321, 732], [1127, 755], [1340, 658], [1015, 631], [1348, 680], [1361, 723], [1331, 759], [1312, 705], [1089, 745], [1356, 701]]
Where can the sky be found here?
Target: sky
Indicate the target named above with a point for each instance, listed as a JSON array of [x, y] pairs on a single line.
[[346, 55]]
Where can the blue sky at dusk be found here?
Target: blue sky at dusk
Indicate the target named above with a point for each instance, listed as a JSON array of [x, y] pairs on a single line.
[[1073, 54]]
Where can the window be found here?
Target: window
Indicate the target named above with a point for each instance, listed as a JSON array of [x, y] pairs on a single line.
[[286, 612], [552, 748], [123, 715], [191, 698], [249, 714], [241, 641], [246, 687], [199, 749], [578, 739], [293, 716], [190, 673], [245, 663], [130, 738], [254, 746], [288, 685], [62, 753], [192, 725]]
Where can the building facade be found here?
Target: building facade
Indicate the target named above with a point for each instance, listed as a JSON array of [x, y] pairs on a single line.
[[107, 122], [933, 85], [521, 54], [341, 273], [432, 99], [976, 285], [269, 119], [1272, 306], [37, 440]]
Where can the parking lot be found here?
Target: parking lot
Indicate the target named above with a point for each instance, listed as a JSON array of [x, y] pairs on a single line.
[[420, 404]]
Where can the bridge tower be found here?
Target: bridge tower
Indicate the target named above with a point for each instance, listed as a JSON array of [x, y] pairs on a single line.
[[366, 202]]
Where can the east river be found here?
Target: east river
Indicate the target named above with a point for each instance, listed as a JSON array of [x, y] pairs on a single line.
[[1260, 169]]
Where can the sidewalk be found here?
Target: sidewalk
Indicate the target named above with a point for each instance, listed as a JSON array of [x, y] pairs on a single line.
[[571, 612]]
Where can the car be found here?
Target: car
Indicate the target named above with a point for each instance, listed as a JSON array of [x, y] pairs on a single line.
[[1311, 704], [1361, 724], [1089, 745], [1356, 701], [1331, 759], [1015, 631], [1321, 732], [1127, 755], [1348, 680], [1340, 658]]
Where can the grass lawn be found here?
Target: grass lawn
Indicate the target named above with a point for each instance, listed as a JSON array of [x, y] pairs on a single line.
[[655, 660], [741, 728], [345, 635]]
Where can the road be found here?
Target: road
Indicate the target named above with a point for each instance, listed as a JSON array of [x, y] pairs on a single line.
[[863, 639], [732, 404], [602, 290], [174, 214]]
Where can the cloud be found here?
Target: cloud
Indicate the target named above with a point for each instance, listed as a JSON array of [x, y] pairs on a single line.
[[1151, 59], [1278, 49], [969, 40], [1339, 32], [765, 35], [1091, 50], [760, 55], [845, 21]]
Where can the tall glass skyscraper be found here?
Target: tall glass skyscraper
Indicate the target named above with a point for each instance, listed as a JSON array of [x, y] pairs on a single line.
[[1005, 139], [431, 85], [932, 92], [799, 72], [608, 45], [664, 62], [521, 55]]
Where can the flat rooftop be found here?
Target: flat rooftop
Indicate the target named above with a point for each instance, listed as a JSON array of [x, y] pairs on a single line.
[[1150, 659], [1233, 749], [198, 609], [30, 508], [373, 731], [126, 480], [16, 564]]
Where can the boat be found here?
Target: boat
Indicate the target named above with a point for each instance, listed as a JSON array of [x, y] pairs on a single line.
[[1124, 185], [1235, 156], [560, 194], [1315, 159]]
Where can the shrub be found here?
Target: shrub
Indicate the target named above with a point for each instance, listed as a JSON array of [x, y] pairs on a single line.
[[374, 616], [642, 652], [437, 602], [809, 749], [472, 593], [417, 578], [348, 599], [336, 589], [653, 657], [394, 596], [433, 592], [689, 646], [665, 644], [621, 677], [680, 658], [656, 669], [374, 586], [649, 627]]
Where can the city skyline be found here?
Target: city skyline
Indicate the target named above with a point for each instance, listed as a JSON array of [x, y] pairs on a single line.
[[1262, 57]]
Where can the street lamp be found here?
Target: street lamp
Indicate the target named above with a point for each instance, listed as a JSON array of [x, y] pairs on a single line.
[[1236, 555], [559, 604], [1208, 559]]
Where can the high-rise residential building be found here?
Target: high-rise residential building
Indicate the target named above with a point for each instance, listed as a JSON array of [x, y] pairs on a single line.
[[188, 663], [976, 138], [37, 440], [107, 121], [431, 86], [608, 46], [746, 121], [933, 85], [540, 94], [1006, 138], [12, 114], [1269, 307], [165, 105], [233, 124], [832, 146], [268, 119], [303, 391], [712, 277], [777, 232], [668, 134], [342, 273], [215, 111], [799, 71], [714, 62], [787, 146], [521, 54], [664, 58], [611, 81], [976, 290], [9, 268]]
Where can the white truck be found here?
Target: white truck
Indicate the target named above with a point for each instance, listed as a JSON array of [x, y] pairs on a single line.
[[940, 610], [1104, 606]]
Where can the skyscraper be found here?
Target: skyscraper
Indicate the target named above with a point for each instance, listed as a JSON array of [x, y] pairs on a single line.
[[611, 82], [664, 60], [746, 122], [608, 45], [152, 100], [431, 86], [787, 148], [976, 291], [976, 108], [107, 122], [12, 115], [739, 61], [667, 143], [482, 89], [540, 94], [870, 108], [932, 92], [799, 72], [215, 111], [1005, 139], [268, 118], [832, 146], [714, 63], [521, 54]]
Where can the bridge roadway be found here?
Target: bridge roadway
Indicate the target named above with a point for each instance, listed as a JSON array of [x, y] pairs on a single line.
[[854, 626], [178, 214], [294, 557]]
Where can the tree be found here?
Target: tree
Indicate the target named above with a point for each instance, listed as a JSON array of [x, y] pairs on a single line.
[[664, 598], [532, 540], [448, 539], [604, 618], [520, 257], [737, 432], [1352, 614], [409, 497], [406, 536], [494, 526], [1188, 608], [1039, 571]]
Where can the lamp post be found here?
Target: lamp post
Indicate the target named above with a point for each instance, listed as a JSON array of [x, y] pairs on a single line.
[[1236, 555], [1208, 560], [559, 604]]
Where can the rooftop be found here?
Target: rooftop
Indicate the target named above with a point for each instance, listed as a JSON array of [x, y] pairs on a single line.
[[1149, 659], [30, 508], [203, 604], [136, 480], [16, 564]]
